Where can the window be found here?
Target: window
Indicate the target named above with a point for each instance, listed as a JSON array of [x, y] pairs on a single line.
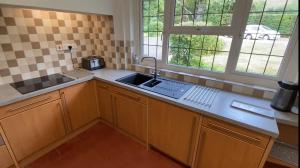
[[153, 18], [209, 52], [269, 28], [220, 36], [203, 12]]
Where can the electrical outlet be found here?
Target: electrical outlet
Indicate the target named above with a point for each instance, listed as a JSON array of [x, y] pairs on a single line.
[[59, 47], [66, 46]]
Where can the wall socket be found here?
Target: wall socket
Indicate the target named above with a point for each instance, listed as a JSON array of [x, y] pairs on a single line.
[[65, 47]]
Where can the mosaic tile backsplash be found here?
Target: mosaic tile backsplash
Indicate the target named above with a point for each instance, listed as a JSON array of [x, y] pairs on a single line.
[[28, 39]]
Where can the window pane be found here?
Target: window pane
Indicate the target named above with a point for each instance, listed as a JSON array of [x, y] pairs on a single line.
[[273, 66], [208, 52], [270, 25], [243, 62], [203, 12], [257, 64], [153, 27]]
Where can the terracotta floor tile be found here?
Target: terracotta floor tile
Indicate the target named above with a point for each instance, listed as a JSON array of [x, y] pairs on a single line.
[[103, 147]]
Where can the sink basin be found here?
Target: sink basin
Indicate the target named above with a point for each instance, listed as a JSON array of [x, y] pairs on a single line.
[[167, 87], [152, 83], [135, 79]]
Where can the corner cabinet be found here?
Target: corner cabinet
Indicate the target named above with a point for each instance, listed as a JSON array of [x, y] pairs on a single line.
[[123, 109], [222, 145], [80, 103], [35, 128], [173, 130]]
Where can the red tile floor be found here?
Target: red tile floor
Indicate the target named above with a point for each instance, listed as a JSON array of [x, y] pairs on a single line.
[[103, 147]]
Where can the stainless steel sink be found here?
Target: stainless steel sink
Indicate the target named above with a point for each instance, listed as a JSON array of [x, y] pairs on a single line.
[[163, 86]]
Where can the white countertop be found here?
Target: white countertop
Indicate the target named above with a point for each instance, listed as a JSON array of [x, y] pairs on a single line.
[[220, 109]]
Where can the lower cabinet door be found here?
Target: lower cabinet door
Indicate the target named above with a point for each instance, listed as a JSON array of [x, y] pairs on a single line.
[[81, 104], [131, 117], [29, 131], [218, 150], [5, 159], [105, 105], [172, 130]]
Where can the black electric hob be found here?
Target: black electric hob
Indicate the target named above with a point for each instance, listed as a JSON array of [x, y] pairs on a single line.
[[43, 82]]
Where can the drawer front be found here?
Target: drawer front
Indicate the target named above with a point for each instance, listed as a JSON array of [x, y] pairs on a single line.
[[28, 104], [129, 94], [240, 133], [122, 92]]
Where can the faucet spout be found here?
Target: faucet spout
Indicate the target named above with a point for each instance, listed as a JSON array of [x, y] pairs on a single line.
[[155, 65]]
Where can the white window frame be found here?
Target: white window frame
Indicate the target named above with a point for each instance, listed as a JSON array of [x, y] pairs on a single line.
[[236, 30]]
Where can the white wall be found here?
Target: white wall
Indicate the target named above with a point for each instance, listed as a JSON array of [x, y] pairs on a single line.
[[124, 19], [89, 6]]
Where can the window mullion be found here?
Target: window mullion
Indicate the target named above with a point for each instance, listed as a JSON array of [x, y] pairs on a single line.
[[168, 21], [212, 30], [141, 34], [239, 22]]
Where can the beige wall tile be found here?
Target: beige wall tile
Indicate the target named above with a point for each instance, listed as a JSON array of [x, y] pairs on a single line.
[[4, 39], [17, 46], [3, 64], [15, 70], [14, 38], [12, 30]]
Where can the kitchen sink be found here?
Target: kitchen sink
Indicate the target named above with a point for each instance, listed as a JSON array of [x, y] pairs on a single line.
[[152, 83], [135, 79], [163, 86]]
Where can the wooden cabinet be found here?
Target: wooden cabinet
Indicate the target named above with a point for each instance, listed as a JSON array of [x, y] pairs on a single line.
[[131, 113], [35, 128], [5, 159], [80, 103], [105, 102], [222, 146], [192, 139], [288, 134], [172, 130], [123, 109]]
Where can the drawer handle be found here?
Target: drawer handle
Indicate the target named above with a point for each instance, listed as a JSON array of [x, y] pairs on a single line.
[[233, 133], [130, 97], [30, 104]]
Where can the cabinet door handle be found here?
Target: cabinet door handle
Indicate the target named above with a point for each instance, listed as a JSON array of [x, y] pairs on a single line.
[[200, 147], [233, 133], [63, 117], [62, 95], [1, 141], [130, 97], [30, 104], [103, 87]]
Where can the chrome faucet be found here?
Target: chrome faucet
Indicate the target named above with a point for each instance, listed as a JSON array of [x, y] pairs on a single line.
[[155, 66]]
